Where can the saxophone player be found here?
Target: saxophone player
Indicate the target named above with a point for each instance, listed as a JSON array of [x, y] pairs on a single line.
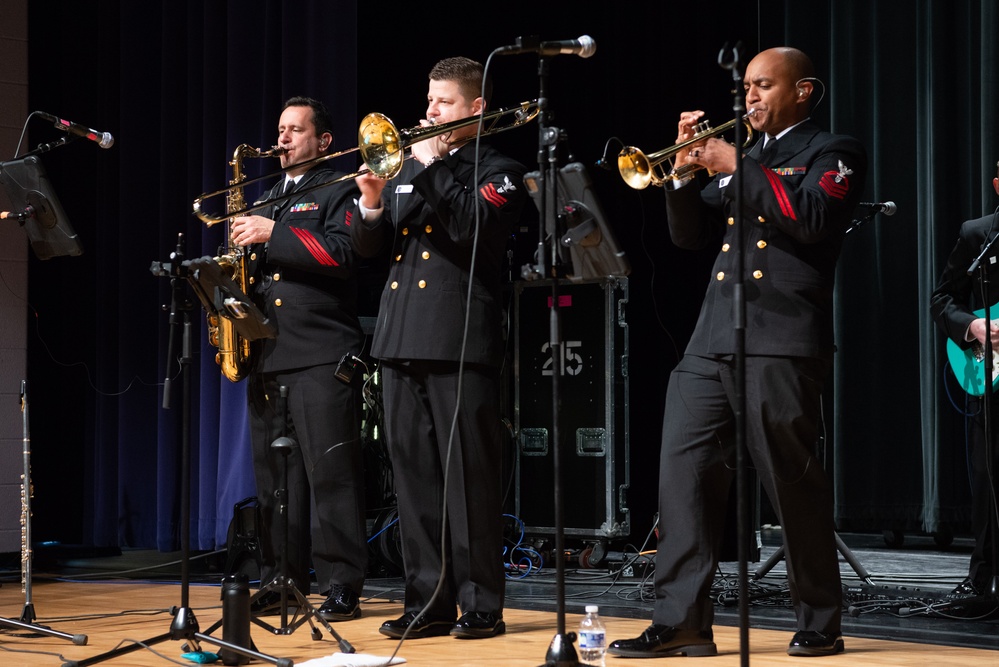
[[301, 269]]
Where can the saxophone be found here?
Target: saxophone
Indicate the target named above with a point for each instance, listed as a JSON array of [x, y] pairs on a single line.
[[233, 356]]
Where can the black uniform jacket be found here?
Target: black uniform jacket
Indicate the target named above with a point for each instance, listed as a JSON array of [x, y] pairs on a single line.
[[429, 224], [797, 210], [303, 277]]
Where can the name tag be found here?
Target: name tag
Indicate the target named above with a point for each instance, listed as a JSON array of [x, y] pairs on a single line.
[[404, 189]]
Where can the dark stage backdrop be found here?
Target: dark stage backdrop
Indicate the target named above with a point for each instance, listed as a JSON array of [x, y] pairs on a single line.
[[181, 84]]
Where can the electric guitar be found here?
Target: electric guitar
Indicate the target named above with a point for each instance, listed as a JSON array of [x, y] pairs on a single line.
[[969, 365]]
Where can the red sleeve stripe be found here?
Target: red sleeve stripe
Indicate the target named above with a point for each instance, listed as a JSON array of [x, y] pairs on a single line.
[[832, 186], [348, 218], [780, 193], [491, 195], [314, 247]]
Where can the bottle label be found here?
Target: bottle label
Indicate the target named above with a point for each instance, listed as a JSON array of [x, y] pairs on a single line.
[[591, 639]]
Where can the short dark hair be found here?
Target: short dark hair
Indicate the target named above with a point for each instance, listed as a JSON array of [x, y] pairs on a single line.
[[467, 73], [321, 117]]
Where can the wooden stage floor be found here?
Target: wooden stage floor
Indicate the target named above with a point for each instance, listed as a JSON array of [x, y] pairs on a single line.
[[120, 613]]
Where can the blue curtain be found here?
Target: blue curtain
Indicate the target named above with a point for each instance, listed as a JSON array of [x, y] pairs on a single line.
[[181, 84]]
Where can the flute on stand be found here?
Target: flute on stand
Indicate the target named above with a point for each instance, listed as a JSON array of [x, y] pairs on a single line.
[[28, 614]]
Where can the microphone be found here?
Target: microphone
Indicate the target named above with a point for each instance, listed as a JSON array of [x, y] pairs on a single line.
[[584, 47], [102, 139], [888, 207]]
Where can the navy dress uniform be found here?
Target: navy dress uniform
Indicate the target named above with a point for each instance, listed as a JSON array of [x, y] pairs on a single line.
[[439, 278], [798, 206], [303, 280]]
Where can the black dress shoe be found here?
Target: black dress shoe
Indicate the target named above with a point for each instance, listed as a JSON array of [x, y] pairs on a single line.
[[813, 642], [341, 605], [424, 627], [269, 604], [478, 625], [662, 640]]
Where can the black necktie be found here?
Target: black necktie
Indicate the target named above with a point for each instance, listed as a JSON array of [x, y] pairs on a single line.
[[289, 185], [767, 155]]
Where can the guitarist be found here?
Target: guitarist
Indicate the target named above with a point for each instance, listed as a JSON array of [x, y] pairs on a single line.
[[952, 307]]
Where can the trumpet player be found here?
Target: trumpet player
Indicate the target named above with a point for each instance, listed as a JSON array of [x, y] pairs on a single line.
[[302, 278], [800, 186], [439, 342]]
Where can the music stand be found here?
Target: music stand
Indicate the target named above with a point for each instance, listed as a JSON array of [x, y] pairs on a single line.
[[571, 217], [37, 208], [222, 297], [581, 225], [185, 624]]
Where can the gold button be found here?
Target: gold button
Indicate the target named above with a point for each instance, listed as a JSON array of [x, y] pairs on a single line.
[[277, 302], [423, 283], [726, 247], [277, 276], [426, 255], [253, 256], [395, 284], [398, 258], [252, 280], [761, 244], [720, 276], [731, 221], [429, 229], [761, 219], [405, 231], [757, 274]]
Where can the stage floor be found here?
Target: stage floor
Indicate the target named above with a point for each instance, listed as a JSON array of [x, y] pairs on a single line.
[[118, 600]]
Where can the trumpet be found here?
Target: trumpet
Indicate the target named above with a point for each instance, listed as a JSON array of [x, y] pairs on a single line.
[[640, 170], [383, 151]]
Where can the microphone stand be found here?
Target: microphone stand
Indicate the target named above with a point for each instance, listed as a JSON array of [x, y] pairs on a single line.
[[857, 222], [730, 60], [561, 652], [185, 625], [988, 367]]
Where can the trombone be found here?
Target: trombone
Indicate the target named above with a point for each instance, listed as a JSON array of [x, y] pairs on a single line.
[[382, 146], [640, 170]]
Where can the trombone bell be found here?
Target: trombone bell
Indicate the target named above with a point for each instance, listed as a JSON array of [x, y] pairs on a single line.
[[381, 145]]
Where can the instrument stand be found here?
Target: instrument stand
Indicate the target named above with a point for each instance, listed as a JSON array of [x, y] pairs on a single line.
[[282, 583], [184, 626], [28, 613]]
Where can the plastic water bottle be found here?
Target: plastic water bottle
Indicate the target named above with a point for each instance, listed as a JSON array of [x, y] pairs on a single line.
[[592, 638]]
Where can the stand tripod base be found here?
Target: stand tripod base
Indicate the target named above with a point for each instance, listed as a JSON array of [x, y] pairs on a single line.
[[25, 624], [184, 627], [304, 613], [775, 558], [561, 653]]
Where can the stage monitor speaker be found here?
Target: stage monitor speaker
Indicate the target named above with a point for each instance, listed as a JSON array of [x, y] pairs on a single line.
[[594, 407]]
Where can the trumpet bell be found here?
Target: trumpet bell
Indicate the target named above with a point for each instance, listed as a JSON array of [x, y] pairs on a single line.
[[381, 145], [635, 168]]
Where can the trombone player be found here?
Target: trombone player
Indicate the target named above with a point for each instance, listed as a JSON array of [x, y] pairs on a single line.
[[301, 269], [798, 197], [439, 342]]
